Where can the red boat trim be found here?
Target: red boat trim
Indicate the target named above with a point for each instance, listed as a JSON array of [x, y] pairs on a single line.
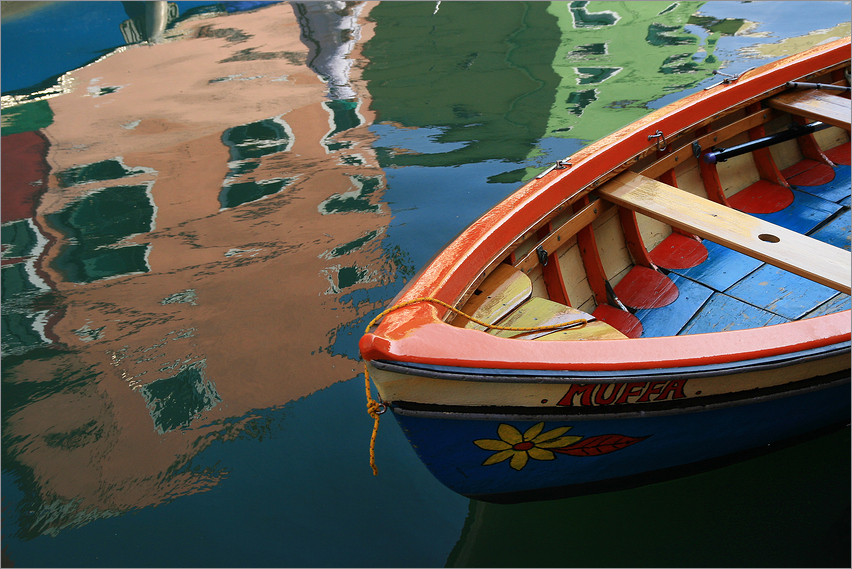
[[415, 334], [541, 377]]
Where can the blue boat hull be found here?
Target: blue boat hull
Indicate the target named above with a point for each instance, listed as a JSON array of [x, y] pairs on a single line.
[[609, 452]]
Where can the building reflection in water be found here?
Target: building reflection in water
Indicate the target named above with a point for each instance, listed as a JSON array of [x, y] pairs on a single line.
[[177, 242]]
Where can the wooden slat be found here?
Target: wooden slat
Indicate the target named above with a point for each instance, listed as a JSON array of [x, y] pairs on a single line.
[[592, 331], [788, 250], [563, 233], [502, 291], [538, 312], [815, 104]]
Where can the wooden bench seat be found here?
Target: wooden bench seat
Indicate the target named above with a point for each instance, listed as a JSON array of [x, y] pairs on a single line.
[[788, 250], [815, 104], [542, 312]]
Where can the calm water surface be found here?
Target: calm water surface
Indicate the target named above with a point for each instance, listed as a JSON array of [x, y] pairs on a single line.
[[205, 203]]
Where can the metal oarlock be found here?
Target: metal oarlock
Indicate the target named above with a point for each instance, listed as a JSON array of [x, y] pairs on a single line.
[[560, 165], [661, 140], [727, 78]]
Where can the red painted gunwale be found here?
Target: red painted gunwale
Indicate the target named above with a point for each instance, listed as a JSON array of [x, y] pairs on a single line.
[[417, 334]]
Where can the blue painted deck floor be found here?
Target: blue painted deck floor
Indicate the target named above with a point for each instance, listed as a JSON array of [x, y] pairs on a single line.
[[731, 291]]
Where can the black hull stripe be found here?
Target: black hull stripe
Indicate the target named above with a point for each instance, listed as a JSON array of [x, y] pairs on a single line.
[[624, 411]]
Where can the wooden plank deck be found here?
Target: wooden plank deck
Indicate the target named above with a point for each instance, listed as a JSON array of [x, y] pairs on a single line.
[[788, 250]]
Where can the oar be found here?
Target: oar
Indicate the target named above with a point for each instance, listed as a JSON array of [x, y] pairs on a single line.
[[798, 85], [795, 131]]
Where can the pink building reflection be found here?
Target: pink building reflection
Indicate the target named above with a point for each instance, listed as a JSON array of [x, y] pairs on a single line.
[[203, 206]]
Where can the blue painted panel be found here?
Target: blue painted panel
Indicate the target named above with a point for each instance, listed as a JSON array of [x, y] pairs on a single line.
[[447, 448], [836, 304], [781, 292], [804, 214], [723, 312], [835, 190], [722, 269], [669, 320], [837, 231], [725, 267]]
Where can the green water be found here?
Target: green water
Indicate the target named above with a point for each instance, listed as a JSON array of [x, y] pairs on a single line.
[[198, 237]]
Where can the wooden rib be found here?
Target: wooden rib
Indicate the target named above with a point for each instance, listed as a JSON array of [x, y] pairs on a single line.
[[810, 148], [763, 160], [633, 238], [799, 254], [668, 177], [563, 233], [588, 246], [815, 104], [712, 184], [551, 274]]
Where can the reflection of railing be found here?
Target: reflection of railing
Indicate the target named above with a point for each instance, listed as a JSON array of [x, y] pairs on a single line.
[[330, 30]]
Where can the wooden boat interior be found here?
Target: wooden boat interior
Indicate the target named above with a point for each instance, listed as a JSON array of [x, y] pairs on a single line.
[[671, 243]]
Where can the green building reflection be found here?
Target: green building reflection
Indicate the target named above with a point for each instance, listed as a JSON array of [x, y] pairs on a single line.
[[608, 60], [490, 99]]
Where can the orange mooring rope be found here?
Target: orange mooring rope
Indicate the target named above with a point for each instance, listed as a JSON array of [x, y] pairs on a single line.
[[374, 408]]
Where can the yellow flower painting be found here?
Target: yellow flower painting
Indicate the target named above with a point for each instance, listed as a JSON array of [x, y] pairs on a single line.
[[521, 447]]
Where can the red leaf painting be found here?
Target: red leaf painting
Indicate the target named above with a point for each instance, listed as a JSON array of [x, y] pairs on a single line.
[[601, 444]]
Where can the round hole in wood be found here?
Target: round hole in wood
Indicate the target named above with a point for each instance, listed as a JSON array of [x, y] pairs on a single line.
[[768, 238]]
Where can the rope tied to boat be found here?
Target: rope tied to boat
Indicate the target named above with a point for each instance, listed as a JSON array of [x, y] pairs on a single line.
[[376, 408]]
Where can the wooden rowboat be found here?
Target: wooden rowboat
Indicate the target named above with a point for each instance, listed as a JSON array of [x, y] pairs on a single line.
[[698, 264]]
